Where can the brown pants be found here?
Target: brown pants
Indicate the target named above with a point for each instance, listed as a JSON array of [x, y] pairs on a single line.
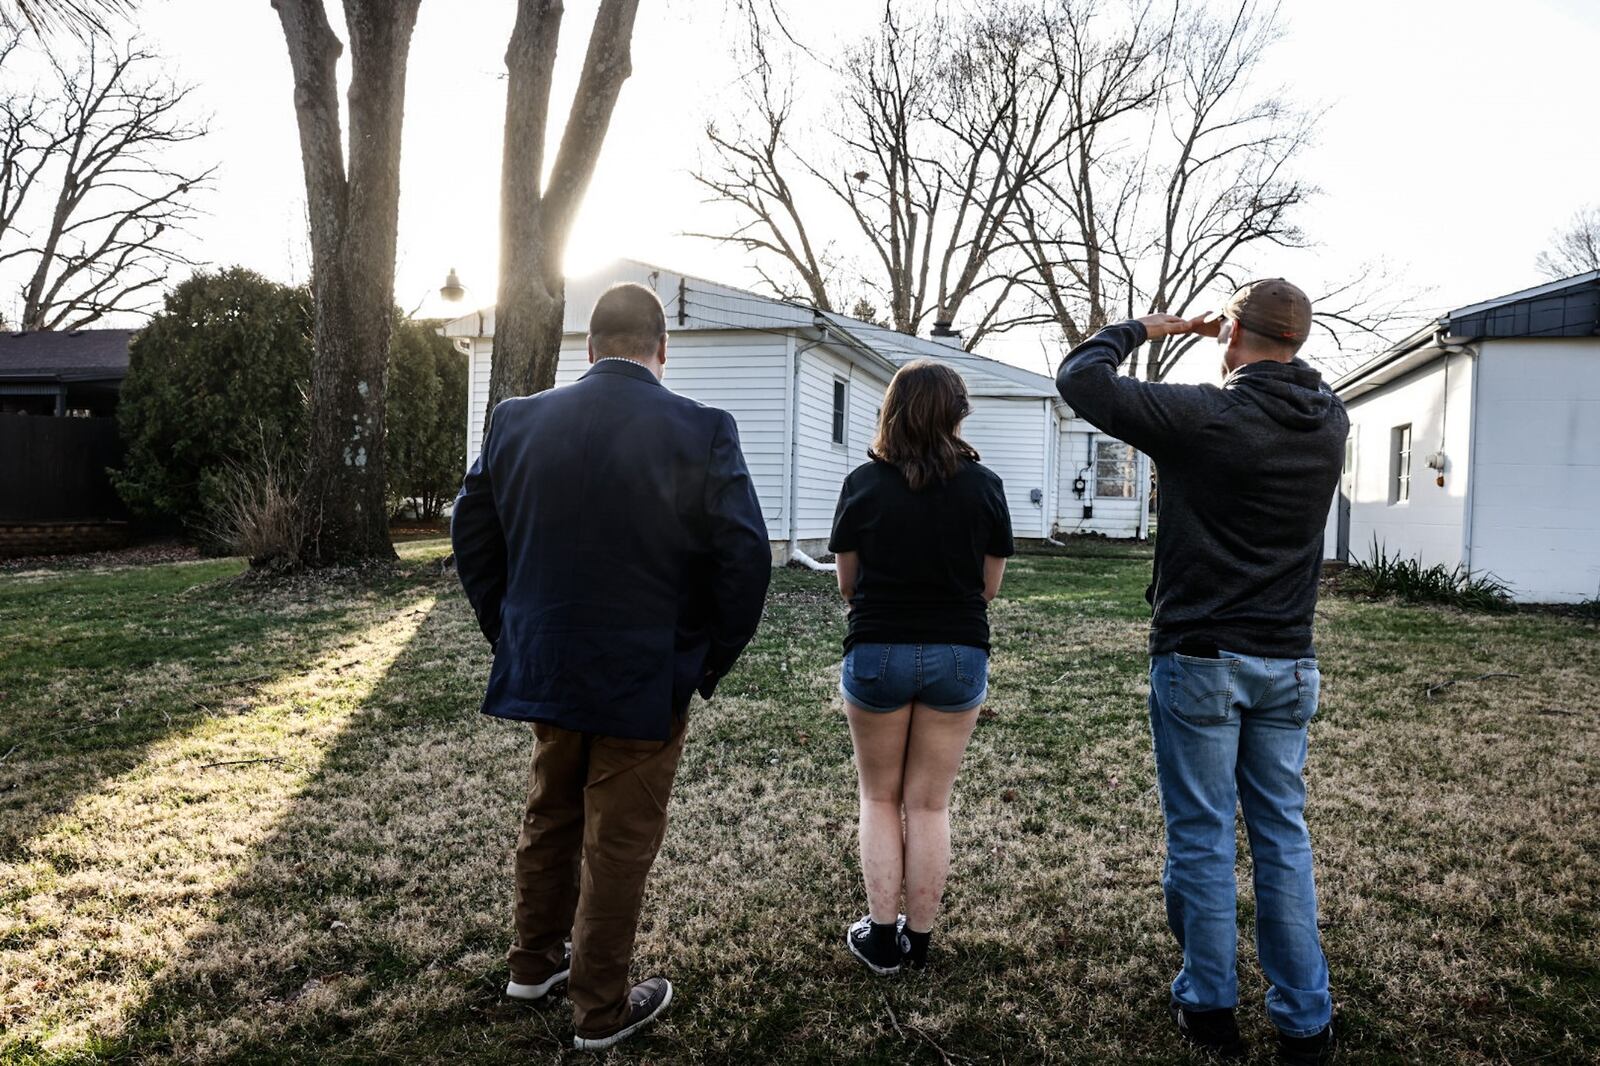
[[596, 815]]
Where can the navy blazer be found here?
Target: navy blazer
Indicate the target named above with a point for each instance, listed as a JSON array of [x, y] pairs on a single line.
[[611, 544]]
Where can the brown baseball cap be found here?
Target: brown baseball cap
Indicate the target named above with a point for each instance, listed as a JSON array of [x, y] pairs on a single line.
[[1273, 308]]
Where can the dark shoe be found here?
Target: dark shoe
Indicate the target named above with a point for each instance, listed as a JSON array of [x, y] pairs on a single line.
[[529, 993], [648, 999], [881, 954], [1314, 1050], [1216, 1031]]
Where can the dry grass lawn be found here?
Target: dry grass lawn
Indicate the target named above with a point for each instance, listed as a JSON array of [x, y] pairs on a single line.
[[268, 825]]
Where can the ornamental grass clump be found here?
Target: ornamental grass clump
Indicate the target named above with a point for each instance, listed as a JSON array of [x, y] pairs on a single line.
[[1407, 580]]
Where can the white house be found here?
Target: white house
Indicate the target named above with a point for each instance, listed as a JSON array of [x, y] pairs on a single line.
[[1476, 442], [805, 387]]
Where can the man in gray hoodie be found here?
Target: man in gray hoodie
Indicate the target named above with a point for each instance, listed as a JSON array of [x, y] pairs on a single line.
[[1247, 471]]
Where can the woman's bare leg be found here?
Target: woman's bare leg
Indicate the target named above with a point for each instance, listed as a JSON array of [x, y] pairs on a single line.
[[880, 743], [933, 755]]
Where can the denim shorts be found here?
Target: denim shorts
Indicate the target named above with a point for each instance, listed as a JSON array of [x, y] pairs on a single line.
[[942, 677]]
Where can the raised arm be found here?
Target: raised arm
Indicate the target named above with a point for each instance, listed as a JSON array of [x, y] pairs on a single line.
[[739, 548], [1151, 416]]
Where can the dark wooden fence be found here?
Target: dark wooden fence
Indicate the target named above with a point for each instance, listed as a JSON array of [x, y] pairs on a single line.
[[54, 469]]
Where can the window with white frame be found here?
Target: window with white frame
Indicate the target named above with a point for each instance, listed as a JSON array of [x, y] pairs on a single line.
[[1116, 470], [840, 409], [1400, 464]]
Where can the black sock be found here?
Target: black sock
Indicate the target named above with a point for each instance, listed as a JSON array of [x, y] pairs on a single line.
[[884, 939], [917, 954]]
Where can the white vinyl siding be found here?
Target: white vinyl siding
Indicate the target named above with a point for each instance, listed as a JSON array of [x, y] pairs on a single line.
[[820, 464], [1114, 516], [1535, 499], [1429, 527], [1009, 434]]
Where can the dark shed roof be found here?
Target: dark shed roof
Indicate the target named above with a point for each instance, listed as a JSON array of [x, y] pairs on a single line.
[[1569, 307], [74, 355]]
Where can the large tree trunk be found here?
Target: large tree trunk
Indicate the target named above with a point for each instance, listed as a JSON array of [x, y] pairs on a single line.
[[535, 219], [353, 221]]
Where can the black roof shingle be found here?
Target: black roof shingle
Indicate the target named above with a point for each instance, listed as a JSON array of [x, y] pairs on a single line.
[[73, 355]]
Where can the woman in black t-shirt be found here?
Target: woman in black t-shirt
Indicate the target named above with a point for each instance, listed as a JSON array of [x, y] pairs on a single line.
[[921, 535]]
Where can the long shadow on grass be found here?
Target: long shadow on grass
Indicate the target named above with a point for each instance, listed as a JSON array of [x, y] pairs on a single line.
[[365, 926], [97, 669]]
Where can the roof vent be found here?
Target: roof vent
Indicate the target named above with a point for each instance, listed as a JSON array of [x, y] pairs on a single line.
[[942, 328], [75, 333]]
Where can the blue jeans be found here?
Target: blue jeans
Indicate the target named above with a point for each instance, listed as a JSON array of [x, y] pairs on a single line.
[[1231, 733], [941, 677]]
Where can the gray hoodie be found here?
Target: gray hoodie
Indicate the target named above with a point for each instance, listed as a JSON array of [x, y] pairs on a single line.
[[1247, 471]]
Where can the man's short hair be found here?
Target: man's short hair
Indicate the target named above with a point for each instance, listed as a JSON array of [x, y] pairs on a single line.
[[627, 321]]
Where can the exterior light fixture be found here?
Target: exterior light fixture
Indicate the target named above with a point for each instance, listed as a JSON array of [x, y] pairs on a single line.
[[452, 289]]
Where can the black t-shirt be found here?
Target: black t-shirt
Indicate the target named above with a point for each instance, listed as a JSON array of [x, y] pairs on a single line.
[[921, 553]]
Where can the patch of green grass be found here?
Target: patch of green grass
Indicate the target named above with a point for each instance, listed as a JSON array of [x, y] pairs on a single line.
[[265, 823]]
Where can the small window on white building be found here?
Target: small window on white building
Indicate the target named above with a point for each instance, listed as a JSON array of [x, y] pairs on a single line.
[[1116, 470], [840, 408], [1400, 464]]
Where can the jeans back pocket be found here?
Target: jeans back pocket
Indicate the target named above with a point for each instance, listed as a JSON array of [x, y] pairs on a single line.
[[1308, 689], [1201, 690], [867, 662]]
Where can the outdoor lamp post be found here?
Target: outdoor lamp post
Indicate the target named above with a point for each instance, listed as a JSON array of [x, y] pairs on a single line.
[[452, 289]]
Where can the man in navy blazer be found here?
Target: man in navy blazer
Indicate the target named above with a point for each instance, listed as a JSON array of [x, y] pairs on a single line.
[[612, 546]]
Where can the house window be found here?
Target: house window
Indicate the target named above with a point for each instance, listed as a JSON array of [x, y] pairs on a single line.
[[839, 409], [1400, 465], [1116, 470]]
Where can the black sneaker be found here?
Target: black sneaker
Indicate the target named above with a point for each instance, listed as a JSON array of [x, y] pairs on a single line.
[[648, 999], [1314, 1050], [881, 954], [1216, 1031]]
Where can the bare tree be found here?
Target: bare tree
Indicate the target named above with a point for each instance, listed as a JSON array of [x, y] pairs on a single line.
[[536, 213], [1574, 249], [942, 125], [750, 175], [1160, 222], [1055, 163], [99, 148], [353, 212], [81, 17]]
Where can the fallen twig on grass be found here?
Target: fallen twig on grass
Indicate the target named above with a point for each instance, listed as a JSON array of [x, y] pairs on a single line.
[[892, 1019], [8, 754], [944, 1055], [240, 762], [1441, 686]]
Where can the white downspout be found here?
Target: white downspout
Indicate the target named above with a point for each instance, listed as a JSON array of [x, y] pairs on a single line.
[[798, 556], [1472, 438], [1054, 426]]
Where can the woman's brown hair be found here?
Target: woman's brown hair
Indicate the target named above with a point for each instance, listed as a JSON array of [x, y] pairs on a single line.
[[923, 408]]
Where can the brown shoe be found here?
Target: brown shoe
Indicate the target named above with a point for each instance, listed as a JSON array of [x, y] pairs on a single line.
[[648, 999]]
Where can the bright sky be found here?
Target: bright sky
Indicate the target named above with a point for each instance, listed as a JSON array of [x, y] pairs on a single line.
[[1460, 134]]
